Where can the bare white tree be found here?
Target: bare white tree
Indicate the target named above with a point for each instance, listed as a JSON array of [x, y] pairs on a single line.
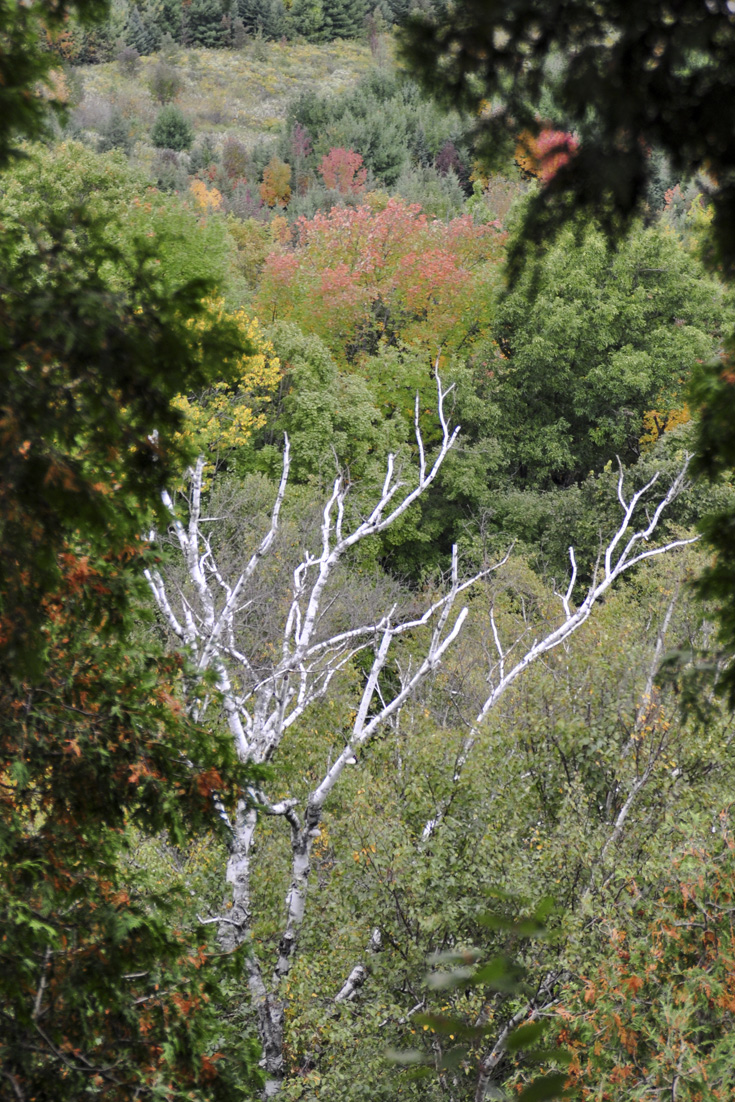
[[627, 548], [262, 700], [261, 705]]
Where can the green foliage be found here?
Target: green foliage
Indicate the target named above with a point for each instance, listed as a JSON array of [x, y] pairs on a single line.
[[99, 993], [645, 96], [59, 182], [384, 119], [346, 18], [534, 810], [114, 320], [115, 134], [330, 416], [264, 17], [204, 24], [165, 83], [713, 393], [137, 36], [27, 92], [591, 339], [172, 130], [457, 1042]]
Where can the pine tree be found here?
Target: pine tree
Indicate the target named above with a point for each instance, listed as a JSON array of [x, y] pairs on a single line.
[[205, 23], [346, 17], [267, 17], [137, 34], [115, 134], [172, 130], [163, 17], [307, 19]]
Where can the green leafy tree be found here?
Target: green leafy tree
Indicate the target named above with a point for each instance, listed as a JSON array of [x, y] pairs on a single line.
[[627, 84], [589, 342], [99, 993]]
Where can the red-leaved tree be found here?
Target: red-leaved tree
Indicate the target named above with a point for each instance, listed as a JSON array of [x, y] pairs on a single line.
[[356, 277], [342, 170]]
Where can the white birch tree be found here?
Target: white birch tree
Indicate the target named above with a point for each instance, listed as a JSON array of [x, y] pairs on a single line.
[[262, 700]]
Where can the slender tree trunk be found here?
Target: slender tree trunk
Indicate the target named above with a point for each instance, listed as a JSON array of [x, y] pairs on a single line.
[[235, 926], [302, 842]]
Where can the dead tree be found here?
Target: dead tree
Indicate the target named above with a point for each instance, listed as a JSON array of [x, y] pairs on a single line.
[[261, 703]]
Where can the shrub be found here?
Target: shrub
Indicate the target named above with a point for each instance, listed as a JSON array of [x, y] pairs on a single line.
[[234, 159], [172, 130], [115, 134], [165, 83], [129, 61]]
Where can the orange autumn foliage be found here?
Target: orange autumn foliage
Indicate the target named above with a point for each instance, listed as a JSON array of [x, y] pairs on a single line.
[[356, 277]]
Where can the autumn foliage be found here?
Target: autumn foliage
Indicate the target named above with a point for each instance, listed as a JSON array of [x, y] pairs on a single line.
[[275, 190], [343, 171], [356, 277], [543, 154], [656, 1017]]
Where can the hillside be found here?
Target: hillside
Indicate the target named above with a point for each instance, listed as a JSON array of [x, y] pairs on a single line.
[[244, 93]]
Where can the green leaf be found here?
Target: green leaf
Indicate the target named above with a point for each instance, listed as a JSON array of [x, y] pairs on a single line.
[[548, 1086], [525, 1036]]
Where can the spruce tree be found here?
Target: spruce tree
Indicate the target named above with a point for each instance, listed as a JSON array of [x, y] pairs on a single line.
[[267, 17], [137, 35], [307, 19], [172, 130], [115, 134], [163, 17], [205, 23], [346, 17]]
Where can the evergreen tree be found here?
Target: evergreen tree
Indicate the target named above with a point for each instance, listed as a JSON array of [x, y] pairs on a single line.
[[400, 9], [172, 130], [267, 17], [307, 20], [205, 24], [346, 17], [137, 35], [163, 17], [115, 134]]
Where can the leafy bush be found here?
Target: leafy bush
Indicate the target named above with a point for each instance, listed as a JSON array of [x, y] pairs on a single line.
[[115, 134], [129, 61], [165, 83]]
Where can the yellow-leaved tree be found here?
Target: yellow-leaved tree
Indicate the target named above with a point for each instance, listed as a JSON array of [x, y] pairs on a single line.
[[224, 416]]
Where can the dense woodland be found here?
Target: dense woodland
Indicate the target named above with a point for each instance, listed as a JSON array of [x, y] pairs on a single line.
[[368, 539]]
